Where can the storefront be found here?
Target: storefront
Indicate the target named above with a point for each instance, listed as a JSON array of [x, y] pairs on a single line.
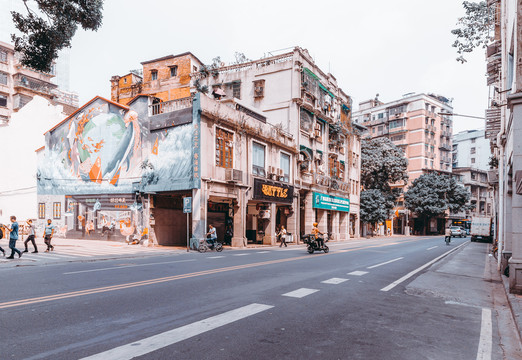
[[332, 214], [271, 206]]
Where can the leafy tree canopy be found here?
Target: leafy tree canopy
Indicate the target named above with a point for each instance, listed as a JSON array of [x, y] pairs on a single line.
[[474, 28], [373, 209], [50, 28], [382, 164], [432, 194]]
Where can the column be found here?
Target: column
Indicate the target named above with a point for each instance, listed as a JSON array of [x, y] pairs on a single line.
[[515, 263], [309, 213], [198, 214], [335, 225], [343, 226], [291, 221], [321, 220], [239, 239], [270, 238]]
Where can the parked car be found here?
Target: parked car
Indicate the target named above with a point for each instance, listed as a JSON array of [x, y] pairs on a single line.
[[457, 231]]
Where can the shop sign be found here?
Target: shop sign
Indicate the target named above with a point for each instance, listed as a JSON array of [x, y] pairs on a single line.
[[329, 202], [273, 191]]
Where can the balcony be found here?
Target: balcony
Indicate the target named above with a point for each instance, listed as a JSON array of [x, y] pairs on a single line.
[[34, 85], [445, 147], [170, 106]]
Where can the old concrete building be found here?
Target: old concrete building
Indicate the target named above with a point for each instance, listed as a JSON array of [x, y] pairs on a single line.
[[419, 124]]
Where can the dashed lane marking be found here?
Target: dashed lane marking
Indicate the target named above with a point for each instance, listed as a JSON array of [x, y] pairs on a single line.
[[433, 247], [127, 266], [334, 281], [216, 257], [384, 263], [242, 254], [300, 293], [156, 342], [358, 273]]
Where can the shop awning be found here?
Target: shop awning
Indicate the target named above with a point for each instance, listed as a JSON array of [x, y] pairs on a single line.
[[326, 90], [309, 72]]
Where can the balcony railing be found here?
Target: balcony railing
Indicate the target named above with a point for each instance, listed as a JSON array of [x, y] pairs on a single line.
[[170, 106], [21, 81]]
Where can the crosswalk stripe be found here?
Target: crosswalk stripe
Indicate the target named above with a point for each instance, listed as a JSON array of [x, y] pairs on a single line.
[[358, 273], [156, 342], [300, 293], [334, 281]]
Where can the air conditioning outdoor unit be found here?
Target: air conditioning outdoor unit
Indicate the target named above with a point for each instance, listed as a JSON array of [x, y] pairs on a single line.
[[312, 135], [280, 173], [264, 214], [233, 175]]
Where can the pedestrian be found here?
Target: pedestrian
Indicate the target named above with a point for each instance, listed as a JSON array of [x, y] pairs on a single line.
[[30, 237], [447, 235], [48, 235], [13, 236], [2, 233], [282, 236], [81, 219]]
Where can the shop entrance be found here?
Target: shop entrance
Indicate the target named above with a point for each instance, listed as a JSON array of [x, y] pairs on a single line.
[[219, 215], [169, 221]]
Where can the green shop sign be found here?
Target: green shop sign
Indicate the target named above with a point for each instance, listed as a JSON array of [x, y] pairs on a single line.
[[329, 202]]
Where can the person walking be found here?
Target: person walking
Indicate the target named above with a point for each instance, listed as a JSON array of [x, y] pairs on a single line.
[[282, 236], [13, 236], [30, 237], [48, 235]]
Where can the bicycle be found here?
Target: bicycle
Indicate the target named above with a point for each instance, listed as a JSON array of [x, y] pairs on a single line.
[[205, 245]]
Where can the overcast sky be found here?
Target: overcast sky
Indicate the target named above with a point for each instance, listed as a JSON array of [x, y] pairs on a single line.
[[374, 46]]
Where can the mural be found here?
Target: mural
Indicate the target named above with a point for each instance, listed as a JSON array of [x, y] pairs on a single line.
[[105, 148]]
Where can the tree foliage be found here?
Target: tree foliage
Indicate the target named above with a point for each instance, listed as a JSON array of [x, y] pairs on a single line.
[[50, 28], [382, 164], [474, 28], [432, 194], [373, 209]]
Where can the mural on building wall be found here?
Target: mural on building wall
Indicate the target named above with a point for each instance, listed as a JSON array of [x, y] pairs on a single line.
[[100, 146], [107, 149]]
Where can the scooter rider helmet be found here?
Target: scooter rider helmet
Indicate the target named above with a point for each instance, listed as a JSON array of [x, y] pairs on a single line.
[[315, 224]]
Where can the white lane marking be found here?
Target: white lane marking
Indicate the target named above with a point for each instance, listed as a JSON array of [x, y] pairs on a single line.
[[384, 263], [410, 274], [126, 266], [486, 336], [433, 247], [216, 257], [358, 273], [300, 293], [243, 254], [334, 281], [156, 342], [263, 252]]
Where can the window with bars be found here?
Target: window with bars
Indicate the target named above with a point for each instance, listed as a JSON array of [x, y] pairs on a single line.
[[154, 75], [41, 211], [174, 71], [57, 210], [224, 148], [3, 56], [3, 78], [334, 168]]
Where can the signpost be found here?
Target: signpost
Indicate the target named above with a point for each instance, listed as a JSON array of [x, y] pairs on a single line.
[[187, 209]]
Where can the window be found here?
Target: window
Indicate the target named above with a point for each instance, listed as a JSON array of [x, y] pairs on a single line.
[[41, 211], [3, 78], [285, 165], [57, 210], [194, 68], [307, 120], [236, 90], [125, 80], [380, 116], [334, 167], [224, 148], [258, 159], [259, 88], [473, 140], [472, 160], [3, 100], [473, 150], [3, 56], [473, 176], [396, 123], [154, 75], [174, 71]]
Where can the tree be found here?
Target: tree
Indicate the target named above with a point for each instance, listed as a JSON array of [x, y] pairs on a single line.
[[373, 209], [382, 164], [474, 28], [432, 194], [42, 39]]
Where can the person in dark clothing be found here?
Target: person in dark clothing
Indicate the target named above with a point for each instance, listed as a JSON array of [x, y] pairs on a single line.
[[13, 236], [30, 237], [48, 235]]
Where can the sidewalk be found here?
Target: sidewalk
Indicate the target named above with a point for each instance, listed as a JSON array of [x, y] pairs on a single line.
[[515, 301]]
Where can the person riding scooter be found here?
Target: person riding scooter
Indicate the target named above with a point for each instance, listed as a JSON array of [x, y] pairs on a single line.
[[318, 235], [211, 236]]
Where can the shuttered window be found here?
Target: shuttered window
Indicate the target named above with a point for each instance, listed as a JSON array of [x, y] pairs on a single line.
[[224, 148]]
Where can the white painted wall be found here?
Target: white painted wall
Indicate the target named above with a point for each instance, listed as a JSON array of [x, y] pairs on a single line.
[[18, 143], [463, 143]]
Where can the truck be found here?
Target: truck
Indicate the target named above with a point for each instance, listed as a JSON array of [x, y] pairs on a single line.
[[481, 229]]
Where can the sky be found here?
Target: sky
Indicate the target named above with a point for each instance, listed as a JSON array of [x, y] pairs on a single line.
[[372, 47]]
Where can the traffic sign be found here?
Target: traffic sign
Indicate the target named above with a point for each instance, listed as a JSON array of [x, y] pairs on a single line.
[[187, 205]]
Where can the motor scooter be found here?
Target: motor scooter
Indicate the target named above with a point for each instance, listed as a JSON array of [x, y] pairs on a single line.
[[313, 244]]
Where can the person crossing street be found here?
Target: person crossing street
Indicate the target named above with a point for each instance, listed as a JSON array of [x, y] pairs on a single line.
[[30, 237], [13, 237], [48, 235]]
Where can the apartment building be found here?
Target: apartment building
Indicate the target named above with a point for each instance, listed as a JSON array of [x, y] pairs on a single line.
[[421, 125], [19, 84]]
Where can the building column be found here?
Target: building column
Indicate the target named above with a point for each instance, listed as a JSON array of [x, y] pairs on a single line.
[[515, 263], [335, 225], [322, 217], [344, 231], [357, 227], [291, 221], [270, 230], [309, 213], [198, 214], [240, 210]]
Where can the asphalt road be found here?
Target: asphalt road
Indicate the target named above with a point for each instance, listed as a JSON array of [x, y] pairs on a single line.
[[366, 299]]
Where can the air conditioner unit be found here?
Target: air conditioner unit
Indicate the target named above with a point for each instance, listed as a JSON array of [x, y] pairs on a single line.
[[264, 214], [271, 170], [233, 175], [312, 135], [280, 172], [318, 127]]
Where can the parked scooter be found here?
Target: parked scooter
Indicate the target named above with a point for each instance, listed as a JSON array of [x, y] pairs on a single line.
[[313, 243]]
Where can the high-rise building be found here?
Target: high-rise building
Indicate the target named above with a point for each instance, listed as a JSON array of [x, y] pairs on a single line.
[[471, 149]]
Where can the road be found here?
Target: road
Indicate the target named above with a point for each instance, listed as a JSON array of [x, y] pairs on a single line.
[[366, 299]]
